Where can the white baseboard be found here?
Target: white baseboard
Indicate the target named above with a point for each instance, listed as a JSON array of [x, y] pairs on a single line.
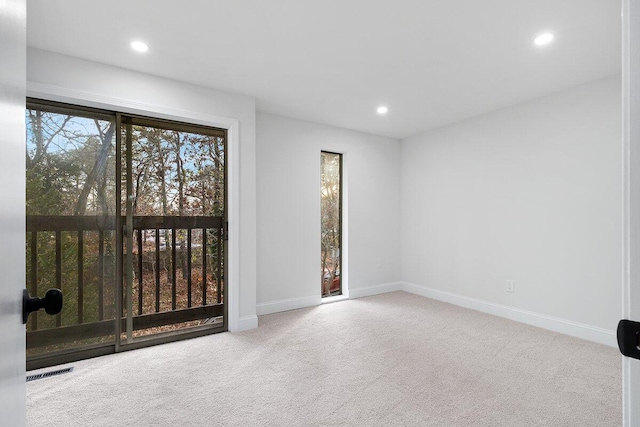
[[336, 298], [310, 301], [287, 304], [375, 289], [247, 322], [563, 326], [567, 327]]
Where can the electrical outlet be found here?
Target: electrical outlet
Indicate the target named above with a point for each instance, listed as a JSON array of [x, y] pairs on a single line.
[[511, 285], [379, 263]]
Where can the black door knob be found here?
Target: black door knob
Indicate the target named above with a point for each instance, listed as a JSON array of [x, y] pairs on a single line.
[[52, 303]]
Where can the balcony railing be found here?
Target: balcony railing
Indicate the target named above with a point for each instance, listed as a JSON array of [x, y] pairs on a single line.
[[176, 268]]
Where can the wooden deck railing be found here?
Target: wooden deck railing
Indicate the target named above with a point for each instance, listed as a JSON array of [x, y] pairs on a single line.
[[79, 252]]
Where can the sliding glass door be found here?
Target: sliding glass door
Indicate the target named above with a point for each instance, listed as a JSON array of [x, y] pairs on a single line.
[[127, 216], [173, 205], [71, 230]]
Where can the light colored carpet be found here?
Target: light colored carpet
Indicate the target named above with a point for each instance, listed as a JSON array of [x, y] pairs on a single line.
[[389, 360]]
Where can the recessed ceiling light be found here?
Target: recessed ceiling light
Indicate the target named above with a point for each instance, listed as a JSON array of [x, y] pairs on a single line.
[[543, 39], [382, 109], [139, 46]]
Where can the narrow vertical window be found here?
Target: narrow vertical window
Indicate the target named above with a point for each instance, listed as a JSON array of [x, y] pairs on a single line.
[[331, 223]]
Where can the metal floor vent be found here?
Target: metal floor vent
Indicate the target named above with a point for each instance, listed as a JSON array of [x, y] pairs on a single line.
[[48, 374]]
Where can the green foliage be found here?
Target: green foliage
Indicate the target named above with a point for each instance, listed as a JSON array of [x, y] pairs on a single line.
[[71, 171], [62, 152]]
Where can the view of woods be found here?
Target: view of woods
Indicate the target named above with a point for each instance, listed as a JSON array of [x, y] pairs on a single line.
[[70, 164], [331, 224], [169, 174], [70, 171], [175, 173]]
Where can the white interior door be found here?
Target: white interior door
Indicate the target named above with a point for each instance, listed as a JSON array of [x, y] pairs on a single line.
[[12, 217], [631, 119]]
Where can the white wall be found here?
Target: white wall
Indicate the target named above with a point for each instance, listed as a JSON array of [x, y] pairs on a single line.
[[288, 153], [62, 78], [533, 194]]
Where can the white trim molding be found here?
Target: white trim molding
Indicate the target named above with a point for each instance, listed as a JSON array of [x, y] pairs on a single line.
[[287, 304], [631, 201], [336, 298], [246, 322], [129, 106], [381, 288], [563, 326]]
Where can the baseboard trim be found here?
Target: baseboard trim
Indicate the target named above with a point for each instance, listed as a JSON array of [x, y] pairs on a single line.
[[247, 322], [287, 304], [310, 301], [381, 288], [563, 326]]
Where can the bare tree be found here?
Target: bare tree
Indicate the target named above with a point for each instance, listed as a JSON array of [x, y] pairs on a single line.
[[98, 169]]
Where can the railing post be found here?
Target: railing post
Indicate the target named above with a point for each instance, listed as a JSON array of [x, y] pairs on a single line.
[[219, 246], [188, 267], [80, 276], [34, 276], [204, 266], [100, 275], [59, 271], [157, 270], [173, 269], [140, 284]]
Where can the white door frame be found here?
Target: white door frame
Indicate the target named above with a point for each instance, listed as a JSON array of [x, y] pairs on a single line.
[[13, 51], [231, 125], [631, 209]]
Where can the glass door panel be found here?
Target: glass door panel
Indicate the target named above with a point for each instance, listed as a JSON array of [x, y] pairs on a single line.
[[70, 239], [174, 209]]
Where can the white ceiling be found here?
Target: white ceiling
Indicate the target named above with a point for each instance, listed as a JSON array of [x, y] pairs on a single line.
[[433, 62]]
